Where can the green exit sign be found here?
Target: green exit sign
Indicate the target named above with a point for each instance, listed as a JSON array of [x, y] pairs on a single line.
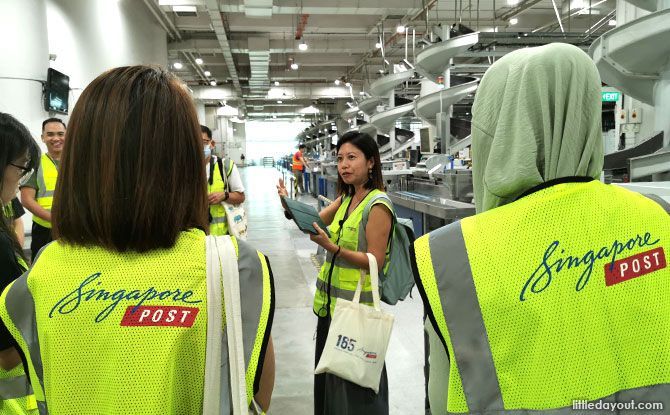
[[610, 96]]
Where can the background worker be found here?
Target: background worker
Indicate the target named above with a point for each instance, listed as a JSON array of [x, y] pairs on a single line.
[[37, 193], [535, 297], [138, 352], [224, 184], [298, 166]]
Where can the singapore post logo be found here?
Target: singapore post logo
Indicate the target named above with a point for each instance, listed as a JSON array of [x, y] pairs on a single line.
[[137, 314], [616, 270]]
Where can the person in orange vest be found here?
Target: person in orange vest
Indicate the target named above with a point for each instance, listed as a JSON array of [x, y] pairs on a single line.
[[298, 166]]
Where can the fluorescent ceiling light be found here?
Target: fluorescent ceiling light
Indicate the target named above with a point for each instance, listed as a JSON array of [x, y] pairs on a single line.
[[198, 61], [184, 9], [512, 3], [400, 29], [208, 73], [213, 83], [612, 22], [177, 65], [513, 21], [303, 46], [337, 82], [294, 66], [361, 93], [279, 101]]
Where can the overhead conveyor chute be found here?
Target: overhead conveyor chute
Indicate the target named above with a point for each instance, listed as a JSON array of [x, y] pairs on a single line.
[[427, 107], [631, 57], [369, 105], [434, 60], [384, 85]]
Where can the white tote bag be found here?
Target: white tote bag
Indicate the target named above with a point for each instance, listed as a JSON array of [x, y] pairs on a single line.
[[222, 271], [358, 337], [236, 217]]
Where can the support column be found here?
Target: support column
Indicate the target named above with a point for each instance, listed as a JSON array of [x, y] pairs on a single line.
[[25, 61], [446, 119]]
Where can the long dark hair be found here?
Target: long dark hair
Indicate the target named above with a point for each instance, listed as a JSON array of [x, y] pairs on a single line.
[[131, 177], [367, 145], [15, 141]]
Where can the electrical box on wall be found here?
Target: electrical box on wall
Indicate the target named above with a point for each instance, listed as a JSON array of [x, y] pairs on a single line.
[[635, 116], [622, 116]]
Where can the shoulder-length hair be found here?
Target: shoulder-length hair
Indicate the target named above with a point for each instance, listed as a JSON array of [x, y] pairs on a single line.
[[15, 142], [131, 175], [368, 146]]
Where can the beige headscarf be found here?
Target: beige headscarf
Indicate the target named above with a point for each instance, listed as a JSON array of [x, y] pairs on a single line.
[[536, 117]]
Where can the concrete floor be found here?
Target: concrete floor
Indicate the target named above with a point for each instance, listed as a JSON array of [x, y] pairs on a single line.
[[292, 258]]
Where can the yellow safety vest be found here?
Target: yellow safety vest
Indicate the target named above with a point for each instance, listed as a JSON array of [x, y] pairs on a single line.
[[344, 277], [47, 175], [16, 394], [219, 224], [557, 299], [125, 333]]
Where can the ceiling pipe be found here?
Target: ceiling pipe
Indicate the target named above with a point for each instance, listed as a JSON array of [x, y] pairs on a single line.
[[302, 23], [419, 15], [218, 24]]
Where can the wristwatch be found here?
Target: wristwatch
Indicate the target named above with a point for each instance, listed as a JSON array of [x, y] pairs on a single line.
[[225, 195]]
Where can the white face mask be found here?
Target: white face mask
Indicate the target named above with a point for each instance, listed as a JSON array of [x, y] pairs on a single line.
[[208, 151]]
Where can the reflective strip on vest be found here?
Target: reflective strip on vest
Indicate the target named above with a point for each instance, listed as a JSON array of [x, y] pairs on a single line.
[[467, 332], [47, 175], [15, 387], [252, 300], [665, 205], [219, 223], [464, 319], [344, 274], [366, 297], [339, 262], [257, 313], [20, 307]]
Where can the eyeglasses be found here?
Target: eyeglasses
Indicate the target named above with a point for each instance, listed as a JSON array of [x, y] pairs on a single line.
[[26, 173]]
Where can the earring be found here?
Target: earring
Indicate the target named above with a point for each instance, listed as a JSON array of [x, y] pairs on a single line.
[[370, 173]]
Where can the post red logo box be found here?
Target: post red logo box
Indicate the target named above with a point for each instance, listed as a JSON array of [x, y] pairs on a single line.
[[635, 266], [163, 316]]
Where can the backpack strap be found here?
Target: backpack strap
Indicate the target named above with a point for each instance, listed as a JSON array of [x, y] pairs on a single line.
[[656, 198], [378, 198], [224, 177]]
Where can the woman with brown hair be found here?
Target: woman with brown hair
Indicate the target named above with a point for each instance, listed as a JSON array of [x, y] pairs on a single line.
[[123, 331], [19, 155], [360, 185]]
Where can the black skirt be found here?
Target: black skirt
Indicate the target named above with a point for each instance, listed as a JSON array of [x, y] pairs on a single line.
[[336, 396]]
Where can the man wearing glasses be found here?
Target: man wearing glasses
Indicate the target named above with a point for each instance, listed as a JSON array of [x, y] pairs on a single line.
[[37, 193]]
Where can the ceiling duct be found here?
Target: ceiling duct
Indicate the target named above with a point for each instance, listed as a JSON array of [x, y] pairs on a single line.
[[258, 8], [259, 61], [216, 18]]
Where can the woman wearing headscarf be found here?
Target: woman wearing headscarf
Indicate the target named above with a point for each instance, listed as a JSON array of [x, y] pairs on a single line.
[[556, 292]]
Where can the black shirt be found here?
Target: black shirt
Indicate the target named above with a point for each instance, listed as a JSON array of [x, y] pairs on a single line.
[[9, 271]]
